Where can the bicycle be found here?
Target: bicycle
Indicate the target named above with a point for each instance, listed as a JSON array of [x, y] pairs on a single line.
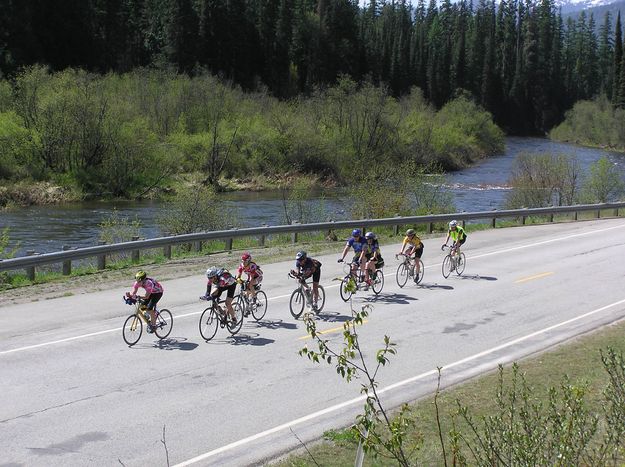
[[406, 270], [302, 296], [133, 326], [215, 316], [255, 305], [453, 261], [352, 282]]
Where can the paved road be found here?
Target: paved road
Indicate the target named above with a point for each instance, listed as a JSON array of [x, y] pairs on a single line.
[[75, 394]]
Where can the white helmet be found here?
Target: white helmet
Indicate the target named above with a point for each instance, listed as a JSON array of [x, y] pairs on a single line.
[[453, 223], [212, 272]]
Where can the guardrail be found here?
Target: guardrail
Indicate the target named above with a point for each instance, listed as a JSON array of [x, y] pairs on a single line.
[[29, 263]]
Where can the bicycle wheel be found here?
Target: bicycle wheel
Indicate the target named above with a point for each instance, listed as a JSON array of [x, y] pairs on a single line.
[[209, 322], [321, 301], [402, 275], [164, 323], [447, 266], [348, 287], [132, 330], [234, 327], [419, 278], [461, 262], [260, 307], [378, 282], [297, 302]]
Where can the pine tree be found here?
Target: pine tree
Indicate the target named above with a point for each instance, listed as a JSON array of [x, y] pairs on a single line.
[[618, 59]]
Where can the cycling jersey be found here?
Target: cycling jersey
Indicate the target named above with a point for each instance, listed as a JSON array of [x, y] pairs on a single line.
[[414, 241], [224, 281], [149, 285], [357, 245], [457, 235], [372, 248], [252, 270]]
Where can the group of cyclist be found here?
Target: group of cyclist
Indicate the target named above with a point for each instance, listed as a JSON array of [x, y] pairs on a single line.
[[367, 256]]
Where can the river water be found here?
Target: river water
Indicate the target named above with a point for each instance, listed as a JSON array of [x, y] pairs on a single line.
[[478, 188]]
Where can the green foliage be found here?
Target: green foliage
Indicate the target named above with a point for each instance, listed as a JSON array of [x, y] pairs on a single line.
[[593, 123], [194, 209], [379, 434], [540, 180], [6, 251], [118, 229], [603, 184]]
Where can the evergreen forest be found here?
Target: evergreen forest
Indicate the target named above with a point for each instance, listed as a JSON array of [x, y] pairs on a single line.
[[519, 60]]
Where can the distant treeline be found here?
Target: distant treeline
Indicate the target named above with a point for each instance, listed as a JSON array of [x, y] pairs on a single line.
[[127, 134], [519, 59]]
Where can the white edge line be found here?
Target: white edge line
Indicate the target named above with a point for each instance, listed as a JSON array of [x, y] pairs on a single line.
[[334, 408]]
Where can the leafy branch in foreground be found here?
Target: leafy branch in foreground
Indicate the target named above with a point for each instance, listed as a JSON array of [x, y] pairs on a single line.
[[379, 434]]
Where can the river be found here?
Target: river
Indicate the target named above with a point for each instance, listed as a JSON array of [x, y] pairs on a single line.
[[477, 188]]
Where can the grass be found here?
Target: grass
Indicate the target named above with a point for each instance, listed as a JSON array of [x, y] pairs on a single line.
[[579, 359]]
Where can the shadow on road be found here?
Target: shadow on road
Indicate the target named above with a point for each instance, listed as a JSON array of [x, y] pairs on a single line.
[[175, 343], [477, 277], [333, 317], [250, 339], [275, 324], [435, 286], [398, 298]]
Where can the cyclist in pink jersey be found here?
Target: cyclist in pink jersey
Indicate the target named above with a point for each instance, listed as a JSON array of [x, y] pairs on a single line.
[[153, 293], [254, 274]]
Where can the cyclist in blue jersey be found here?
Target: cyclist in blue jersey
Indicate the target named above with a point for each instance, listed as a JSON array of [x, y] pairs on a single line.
[[357, 242]]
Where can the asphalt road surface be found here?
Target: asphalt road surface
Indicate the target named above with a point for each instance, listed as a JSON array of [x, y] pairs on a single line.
[[74, 394]]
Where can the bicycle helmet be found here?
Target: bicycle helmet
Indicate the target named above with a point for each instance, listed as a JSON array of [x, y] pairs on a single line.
[[453, 223], [301, 255], [370, 236], [410, 232], [246, 257], [212, 272], [356, 233], [140, 275]]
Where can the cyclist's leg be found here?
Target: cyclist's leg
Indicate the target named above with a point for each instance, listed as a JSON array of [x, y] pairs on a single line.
[[316, 277], [151, 304], [229, 296], [418, 252]]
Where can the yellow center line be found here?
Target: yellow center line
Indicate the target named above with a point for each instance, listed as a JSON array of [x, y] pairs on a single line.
[[537, 276], [328, 331]]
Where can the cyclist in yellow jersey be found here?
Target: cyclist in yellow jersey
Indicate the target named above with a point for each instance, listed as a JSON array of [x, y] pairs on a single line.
[[412, 245], [457, 234]]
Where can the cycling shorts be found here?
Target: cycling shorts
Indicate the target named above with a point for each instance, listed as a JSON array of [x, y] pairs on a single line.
[[418, 252], [152, 300], [231, 289]]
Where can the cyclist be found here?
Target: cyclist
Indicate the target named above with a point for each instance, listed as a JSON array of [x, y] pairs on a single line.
[[306, 267], [254, 275], [372, 256], [153, 293], [412, 245], [223, 281], [357, 242], [457, 234]]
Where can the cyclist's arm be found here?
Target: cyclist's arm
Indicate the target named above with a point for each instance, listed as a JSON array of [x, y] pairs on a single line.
[[345, 250]]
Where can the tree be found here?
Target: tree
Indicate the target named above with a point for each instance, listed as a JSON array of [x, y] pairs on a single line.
[[604, 184]]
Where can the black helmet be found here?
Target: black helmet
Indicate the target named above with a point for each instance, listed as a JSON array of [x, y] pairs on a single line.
[[301, 255]]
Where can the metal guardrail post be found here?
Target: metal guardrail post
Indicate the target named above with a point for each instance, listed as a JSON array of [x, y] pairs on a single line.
[[229, 244], [261, 239], [67, 264], [430, 227], [575, 216], [615, 212], [30, 271], [135, 253], [550, 217], [167, 251], [598, 213], [197, 246], [396, 227], [493, 222], [294, 234], [102, 258]]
